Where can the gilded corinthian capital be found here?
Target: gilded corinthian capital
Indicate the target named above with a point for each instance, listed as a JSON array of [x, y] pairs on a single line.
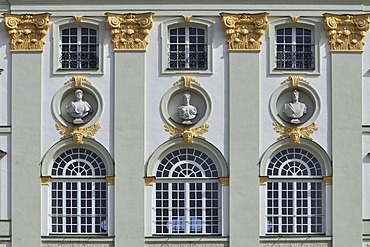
[[346, 32], [27, 31], [244, 31], [129, 31]]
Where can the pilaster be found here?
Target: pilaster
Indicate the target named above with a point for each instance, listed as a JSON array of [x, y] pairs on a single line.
[[26, 40], [243, 32], [129, 43], [346, 33]]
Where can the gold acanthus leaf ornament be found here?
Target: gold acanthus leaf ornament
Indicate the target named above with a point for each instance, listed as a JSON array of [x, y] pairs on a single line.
[[129, 31], [78, 133], [27, 31], [244, 31], [187, 133], [295, 133], [346, 32]]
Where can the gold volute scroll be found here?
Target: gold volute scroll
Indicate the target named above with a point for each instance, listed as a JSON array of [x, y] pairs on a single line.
[[78, 133], [187, 133], [295, 133], [129, 31], [27, 31], [346, 32], [328, 180], [263, 180], [187, 18], [244, 31]]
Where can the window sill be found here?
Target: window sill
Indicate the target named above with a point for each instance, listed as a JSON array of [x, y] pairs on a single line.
[[186, 71], [295, 238], [77, 238], [78, 71], [188, 239], [294, 72]]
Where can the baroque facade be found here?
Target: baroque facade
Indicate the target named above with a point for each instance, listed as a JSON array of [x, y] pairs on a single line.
[[184, 123]]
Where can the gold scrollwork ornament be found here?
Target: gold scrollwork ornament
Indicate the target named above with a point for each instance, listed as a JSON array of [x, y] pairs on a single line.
[[129, 31], [187, 133], [346, 32], [187, 81], [244, 31], [295, 133], [27, 31], [78, 133]]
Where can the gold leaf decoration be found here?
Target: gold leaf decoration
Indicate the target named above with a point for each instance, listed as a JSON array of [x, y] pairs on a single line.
[[295, 133], [244, 31], [78, 133], [295, 80], [187, 133], [346, 32], [129, 31], [187, 81], [27, 31]]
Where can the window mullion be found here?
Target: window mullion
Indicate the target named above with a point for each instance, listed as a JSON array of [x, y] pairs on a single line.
[[280, 210], [78, 206], [204, 208], [170, 219], [309, 211], [295, 198], [187, 48], [187, 207], [64, 201]]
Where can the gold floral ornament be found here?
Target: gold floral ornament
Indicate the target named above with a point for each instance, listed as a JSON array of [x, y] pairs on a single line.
[[187, 133], [244, 31], [295, 133], [27, 31], [129, 31], [78, 133], [346, 32]]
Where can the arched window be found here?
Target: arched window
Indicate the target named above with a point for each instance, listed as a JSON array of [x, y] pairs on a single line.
[[77, 191], [188, 185], [187, 194], [295, 193]]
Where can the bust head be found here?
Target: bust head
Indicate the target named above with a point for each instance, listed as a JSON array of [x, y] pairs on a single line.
[[79, 94], [186, 98], [295, 95]]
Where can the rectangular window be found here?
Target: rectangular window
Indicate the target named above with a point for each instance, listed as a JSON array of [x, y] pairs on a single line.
[[295, 207], [78, 207], [187, 48], [187, 208], [79, 48], [294, 49]]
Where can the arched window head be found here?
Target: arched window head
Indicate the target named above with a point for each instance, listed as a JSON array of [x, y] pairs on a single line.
[[78, 162], [187, 195]]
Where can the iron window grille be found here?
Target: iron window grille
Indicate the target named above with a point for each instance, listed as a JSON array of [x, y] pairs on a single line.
[[294, 49], [295, 194], [187, 48], [79, 49]]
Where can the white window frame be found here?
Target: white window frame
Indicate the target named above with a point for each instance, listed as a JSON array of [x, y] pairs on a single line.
[[324, 177], [151, 175], [206, 25], [48, 178], [85, 22], [305, 23]]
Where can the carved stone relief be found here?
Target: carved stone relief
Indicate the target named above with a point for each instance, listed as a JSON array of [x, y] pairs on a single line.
[[27, 31], [294, 107], [244, 31], [77, 106], [185, 108]]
